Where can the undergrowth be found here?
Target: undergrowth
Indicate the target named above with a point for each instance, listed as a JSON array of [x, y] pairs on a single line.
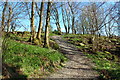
[[103, 51], [108, 69]]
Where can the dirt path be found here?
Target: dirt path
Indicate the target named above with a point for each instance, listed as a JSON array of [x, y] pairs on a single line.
[[78, 65]]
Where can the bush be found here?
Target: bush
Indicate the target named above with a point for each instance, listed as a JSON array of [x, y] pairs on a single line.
[[26, 32], [54, 45], [37, 42], [57, 32]]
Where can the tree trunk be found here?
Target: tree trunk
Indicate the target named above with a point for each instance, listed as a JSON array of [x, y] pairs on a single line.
[[73, 29], [40, 22], [58, 27], [57, 21], [9, 19], [32, 22], [73, 19], [119, 19], [46, 39], [3, 16], [63, 18]]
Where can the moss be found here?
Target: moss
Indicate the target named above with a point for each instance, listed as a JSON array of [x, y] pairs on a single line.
[[36, 41], [54, 45]]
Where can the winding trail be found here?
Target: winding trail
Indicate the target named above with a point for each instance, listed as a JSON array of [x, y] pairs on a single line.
[[78, 65]]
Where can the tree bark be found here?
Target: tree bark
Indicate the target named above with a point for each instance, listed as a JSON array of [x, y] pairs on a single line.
[[9, 19], [57, 21], [32, 22], [3, 16], [73, 19], [46, 39], [73, 28], [40, 22], [63, 18]]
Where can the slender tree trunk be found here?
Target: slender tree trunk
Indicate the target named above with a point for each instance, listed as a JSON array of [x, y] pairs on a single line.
[[3, 16], [83, 31], [58, 27], [40, 22], [32, 22], [46, 39], [119, 18], [63, 18], [9, 19], [73, 19], [68, 29], [73, 29], [57, 23]]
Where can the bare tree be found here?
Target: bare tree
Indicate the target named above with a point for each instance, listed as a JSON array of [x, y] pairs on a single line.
[[66, 18], [11, 15], [92, 17], [55, 16]]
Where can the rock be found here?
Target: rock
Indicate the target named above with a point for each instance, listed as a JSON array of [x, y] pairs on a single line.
[[81, 44]]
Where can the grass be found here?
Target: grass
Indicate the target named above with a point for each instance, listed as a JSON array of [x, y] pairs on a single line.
[[33, 61], [19, 37], [105, 56], [109, 69], [52, 34]]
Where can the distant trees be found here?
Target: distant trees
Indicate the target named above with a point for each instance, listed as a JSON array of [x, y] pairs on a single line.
[[66, 18], [90, 19], [97, 19], [72, 9], [109, 20], [70, 12], [55, 16]]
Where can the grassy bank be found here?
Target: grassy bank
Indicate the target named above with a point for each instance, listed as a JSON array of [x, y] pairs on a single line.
[[103, 51], [31, 60]]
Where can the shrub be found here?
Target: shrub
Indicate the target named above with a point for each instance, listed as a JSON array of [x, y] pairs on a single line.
[[54, 45], [37, 42], [57, 32]]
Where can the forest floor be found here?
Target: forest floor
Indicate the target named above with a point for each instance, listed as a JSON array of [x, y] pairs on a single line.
[[78, 65]]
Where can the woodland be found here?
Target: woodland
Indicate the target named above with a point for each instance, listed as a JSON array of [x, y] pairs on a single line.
[[42, 39]]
